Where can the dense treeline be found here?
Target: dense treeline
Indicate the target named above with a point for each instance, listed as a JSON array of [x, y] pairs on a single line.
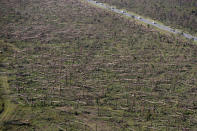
[[177, 13]]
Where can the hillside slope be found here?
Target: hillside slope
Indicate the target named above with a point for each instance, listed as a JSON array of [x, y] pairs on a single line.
[[78, 67]]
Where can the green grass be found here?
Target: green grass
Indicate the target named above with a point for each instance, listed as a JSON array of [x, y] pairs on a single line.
[[8, 107], [1, 105], [1, 100]]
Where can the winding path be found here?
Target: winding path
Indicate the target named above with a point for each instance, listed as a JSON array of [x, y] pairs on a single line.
[[147, 21], [9, 107]]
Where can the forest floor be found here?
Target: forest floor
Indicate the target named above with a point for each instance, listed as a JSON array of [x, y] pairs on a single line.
[[66, 65]]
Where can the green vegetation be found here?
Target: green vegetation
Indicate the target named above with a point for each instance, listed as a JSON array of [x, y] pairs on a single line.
[[1, 105], [181, 14], [1, 99], [6, 107], [3, 55], [74, 67]]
